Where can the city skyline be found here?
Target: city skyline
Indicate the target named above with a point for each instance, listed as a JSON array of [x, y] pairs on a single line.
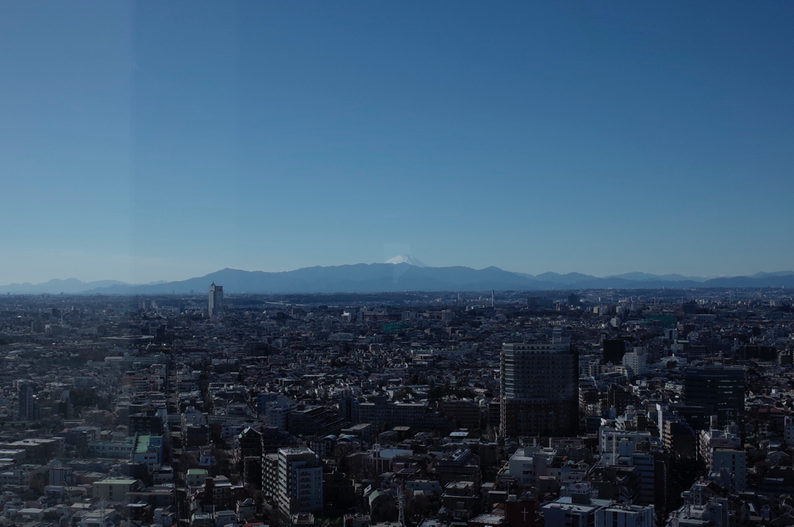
[[176, 413], [535, 138], [408, 264]]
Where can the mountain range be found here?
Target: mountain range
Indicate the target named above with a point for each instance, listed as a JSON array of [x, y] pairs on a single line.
[[402, 273]]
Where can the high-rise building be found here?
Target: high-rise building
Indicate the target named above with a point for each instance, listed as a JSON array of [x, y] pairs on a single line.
[[614, 349], [636, 361], [294, 479], [216, 299], [717, 389], [729, 468], [28, 408], [540, 389], [348, 409], [725, 458]]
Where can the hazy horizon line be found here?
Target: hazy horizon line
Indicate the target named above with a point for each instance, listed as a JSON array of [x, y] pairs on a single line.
[[199, 275]]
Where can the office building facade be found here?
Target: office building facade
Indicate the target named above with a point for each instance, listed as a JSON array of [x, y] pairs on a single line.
[[718, 390], [540, 389]]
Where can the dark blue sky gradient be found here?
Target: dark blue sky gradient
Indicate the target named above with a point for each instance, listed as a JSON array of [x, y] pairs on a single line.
[[163, 140]]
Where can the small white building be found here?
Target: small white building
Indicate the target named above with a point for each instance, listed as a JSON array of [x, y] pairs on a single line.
[[223, 518], [626, 516]]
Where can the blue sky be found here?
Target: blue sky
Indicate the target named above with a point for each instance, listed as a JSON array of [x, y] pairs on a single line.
[[163, 140]]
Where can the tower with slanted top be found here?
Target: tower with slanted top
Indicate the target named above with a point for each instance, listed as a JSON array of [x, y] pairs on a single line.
[[216, 299]]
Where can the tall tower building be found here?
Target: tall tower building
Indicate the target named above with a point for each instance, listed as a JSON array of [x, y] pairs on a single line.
[[216, 299], [540, 389], [28, 408]]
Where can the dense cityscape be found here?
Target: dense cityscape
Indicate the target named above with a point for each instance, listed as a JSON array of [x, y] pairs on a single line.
[[628, 408], [396, 263]]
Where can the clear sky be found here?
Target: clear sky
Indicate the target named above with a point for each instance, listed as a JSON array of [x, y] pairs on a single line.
[[163, 140]]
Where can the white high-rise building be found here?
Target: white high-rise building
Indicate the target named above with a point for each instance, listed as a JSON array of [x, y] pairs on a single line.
[[297, 480], [215, 299], [636, 361]]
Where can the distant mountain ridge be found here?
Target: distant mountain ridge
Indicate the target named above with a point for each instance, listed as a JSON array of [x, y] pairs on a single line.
[[68, 286], [395, 277]]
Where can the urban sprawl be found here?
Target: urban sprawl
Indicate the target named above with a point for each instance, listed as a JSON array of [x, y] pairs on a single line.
[[595, 408]]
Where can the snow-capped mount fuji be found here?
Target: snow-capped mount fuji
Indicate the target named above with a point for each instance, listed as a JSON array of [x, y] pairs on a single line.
[[406, 259], [402, 273]]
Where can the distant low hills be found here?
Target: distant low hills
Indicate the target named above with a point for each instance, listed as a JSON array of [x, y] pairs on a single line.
[[70, 286], [394, 277]]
